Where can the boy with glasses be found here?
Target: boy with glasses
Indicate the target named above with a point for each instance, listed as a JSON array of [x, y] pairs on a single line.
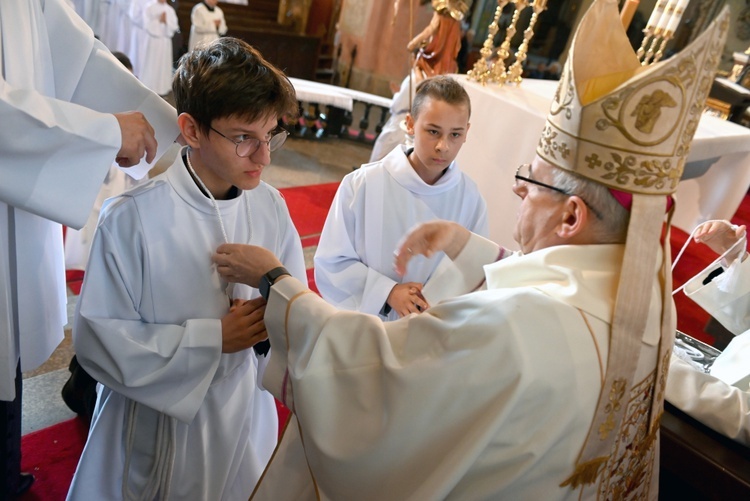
[[179, 414]]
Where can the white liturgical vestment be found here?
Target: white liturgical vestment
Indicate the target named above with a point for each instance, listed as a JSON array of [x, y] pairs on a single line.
[[156, 61], [719, 402], [148, 328], [58, 139], [203, 29], [374, 207], [489, 395]]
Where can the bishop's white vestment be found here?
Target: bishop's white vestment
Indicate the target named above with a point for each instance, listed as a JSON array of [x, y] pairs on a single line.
[[719, 402], [156, 63], [58, 89], [489, 395], [374, 207], [148, 328], [203, 29]]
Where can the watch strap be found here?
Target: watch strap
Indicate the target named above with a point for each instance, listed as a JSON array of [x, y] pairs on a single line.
[[268, 279]]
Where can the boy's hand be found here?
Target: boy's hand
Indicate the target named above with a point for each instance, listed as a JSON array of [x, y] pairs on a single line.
[[243, 326], [407, 298]]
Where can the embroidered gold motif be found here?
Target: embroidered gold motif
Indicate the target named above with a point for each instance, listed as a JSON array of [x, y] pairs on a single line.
[[548, 142], [613, 406], [628, 473], [649, 174], [648, 110]]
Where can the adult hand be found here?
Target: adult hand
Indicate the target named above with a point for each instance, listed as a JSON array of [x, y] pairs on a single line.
[[429, 238], [720, 236], [245, 264], [243, 326], [407, 298], [137, 139]]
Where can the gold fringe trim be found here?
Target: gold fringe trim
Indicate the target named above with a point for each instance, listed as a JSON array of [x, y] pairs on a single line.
[[585, 473]]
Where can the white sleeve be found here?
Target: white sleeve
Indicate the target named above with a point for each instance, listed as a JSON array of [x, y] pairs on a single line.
[[110, 334], [716, 404], [202, 21]]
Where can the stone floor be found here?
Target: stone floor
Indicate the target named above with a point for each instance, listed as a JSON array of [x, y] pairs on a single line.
[[300, 162]]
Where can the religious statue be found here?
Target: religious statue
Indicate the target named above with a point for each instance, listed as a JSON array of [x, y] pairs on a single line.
[[440, 41]]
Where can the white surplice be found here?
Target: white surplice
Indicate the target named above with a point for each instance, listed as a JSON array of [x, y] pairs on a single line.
[[486, 396], [374, 207], [714, 400], [148, 327], [156, 63], [58, 89], [138, 36], [203, 28]]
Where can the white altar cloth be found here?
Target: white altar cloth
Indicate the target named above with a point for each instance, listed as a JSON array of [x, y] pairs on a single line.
[[506, 122]]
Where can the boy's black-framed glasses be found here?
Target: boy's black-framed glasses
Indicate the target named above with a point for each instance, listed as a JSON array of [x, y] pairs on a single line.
[[246, 147]]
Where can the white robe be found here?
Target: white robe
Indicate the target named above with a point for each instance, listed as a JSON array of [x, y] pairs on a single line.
[[373, 208], [717, 403], [139, 36], [58, 89], [393, 134], [148, 328], [203, 29], [156, 64], [78, 242], [486, 396]]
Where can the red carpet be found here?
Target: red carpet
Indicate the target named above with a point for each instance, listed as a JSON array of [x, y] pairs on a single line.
[[52, 453]]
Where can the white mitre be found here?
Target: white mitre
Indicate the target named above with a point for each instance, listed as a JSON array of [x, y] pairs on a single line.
[[629, 127]]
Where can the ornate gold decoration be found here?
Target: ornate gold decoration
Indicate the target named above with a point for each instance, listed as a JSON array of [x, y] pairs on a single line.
[[456, 8], [488, 70]]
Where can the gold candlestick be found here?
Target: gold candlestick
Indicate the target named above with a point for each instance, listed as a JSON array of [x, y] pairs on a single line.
[[498, 73], [515, 71], [481, 71]]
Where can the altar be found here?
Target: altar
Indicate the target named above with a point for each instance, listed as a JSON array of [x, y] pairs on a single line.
[[506, 122]]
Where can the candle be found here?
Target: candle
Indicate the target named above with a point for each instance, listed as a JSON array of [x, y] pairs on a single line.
[[653, 21], [627, 12], [666, 16], [674, 20]]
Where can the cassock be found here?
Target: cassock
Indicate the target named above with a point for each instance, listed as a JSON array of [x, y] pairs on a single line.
[[372, 210], [156, 64], [58, 89], [190, 420], [489, 395], [203, 28], [721, 398]]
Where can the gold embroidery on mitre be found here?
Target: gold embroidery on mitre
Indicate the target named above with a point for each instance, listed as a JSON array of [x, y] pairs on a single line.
[[648, 110], [616, 392], [628, 472], [548, 142]]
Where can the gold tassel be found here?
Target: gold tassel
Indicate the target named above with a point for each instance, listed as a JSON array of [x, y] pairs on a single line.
[[585, 473]]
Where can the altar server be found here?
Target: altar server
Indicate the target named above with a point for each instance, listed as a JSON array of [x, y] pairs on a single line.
[[179, 413], [207, 23], [549, 383], [378, 203], [160, 22], [721, 398], [59, 89]]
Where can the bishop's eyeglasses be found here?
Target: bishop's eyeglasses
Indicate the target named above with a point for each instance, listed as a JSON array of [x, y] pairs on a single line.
[[248, 146], [523, 173]]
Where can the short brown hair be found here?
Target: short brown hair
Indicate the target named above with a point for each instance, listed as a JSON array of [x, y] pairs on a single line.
[[443, 88], [229, 78]]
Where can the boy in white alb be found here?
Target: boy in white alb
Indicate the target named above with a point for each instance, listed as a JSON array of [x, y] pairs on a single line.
[[377, 204], [179, 413], [207, 23], [160, 24]]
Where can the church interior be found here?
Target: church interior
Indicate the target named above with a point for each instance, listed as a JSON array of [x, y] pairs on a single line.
[[348, 59]]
